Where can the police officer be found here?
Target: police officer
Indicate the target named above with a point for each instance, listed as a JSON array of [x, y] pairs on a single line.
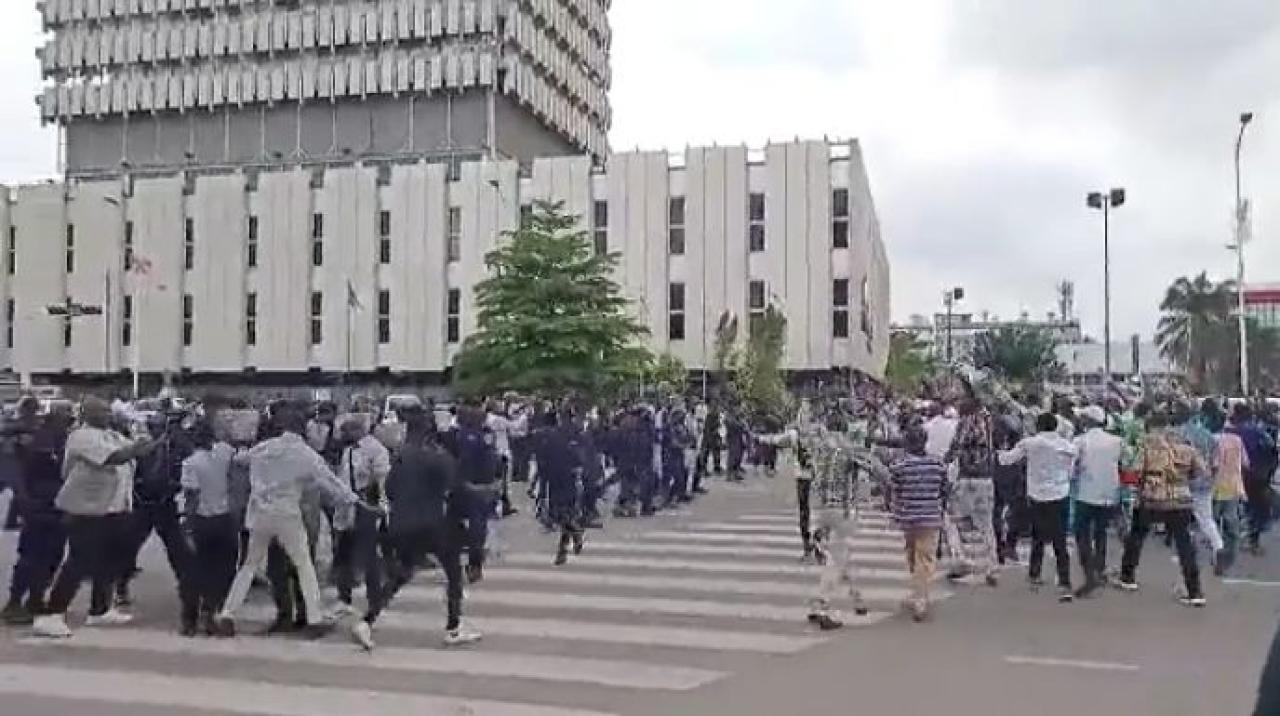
[[473, 445]]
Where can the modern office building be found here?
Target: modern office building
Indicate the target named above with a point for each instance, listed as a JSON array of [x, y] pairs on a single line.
[[962, 330], [280, 188], [1262, 302], [368, 268], [174, 84]]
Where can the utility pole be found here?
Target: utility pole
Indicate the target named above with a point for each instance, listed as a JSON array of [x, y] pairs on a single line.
[[1241, 231], [1106, 201]]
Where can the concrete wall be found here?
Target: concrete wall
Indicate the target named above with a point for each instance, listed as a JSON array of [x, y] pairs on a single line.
[[160, 87], [797, 265]]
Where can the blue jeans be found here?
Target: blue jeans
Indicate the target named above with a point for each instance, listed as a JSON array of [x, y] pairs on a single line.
[[1227, 514]]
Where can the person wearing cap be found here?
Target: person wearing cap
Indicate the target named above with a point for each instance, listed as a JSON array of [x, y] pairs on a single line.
[[1097, 476]]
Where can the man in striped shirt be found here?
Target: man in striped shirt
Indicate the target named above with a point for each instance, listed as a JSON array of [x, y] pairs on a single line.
[[917, 489]]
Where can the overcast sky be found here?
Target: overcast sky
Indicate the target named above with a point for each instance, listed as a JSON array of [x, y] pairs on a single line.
[[983, 124]]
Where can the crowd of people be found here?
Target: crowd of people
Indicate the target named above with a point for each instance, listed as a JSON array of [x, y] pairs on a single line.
[[231, 491]]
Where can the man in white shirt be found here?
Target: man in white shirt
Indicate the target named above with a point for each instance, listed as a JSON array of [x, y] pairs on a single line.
[[1098, 492], [364, 467], [96, 496], [1050, 463], [280, 470], [940, 431]]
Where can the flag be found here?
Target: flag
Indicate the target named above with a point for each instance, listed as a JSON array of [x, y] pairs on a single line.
[[353, 301]]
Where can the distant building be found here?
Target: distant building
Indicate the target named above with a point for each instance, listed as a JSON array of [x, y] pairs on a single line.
[[1085, 362], [1262, 302], [965, 329]]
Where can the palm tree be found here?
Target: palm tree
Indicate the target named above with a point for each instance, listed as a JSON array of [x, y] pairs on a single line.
[[1195, 319], [1023, 354]]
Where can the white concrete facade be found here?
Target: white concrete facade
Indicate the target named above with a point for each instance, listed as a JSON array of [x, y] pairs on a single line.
[[280, 216]]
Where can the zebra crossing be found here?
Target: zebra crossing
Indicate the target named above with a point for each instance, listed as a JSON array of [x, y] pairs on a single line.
[[674, 609]]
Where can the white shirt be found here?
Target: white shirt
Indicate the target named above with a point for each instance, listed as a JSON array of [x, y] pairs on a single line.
[[1050, 463], [941, 431], [1098, 467], [279, 471], [366, 463], [208, 473], [503, 429], [90, 485]]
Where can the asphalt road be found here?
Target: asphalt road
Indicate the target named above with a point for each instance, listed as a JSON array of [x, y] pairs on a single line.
[[697, 612]]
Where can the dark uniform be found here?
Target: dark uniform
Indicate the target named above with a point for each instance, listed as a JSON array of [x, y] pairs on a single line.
[[43, 538]]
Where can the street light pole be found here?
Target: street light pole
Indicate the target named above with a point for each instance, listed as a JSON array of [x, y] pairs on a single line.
[[949, 299], [1106, 201], [1242, 323]]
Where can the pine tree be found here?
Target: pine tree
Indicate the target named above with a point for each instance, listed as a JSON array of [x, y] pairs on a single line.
[[552, 320]]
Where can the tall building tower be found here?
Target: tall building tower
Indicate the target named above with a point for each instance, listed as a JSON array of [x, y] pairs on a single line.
[[162, 85]]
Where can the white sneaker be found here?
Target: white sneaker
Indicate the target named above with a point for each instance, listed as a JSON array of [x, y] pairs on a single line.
[[111, 617], [462, 636], [53, 626], [362, 634]]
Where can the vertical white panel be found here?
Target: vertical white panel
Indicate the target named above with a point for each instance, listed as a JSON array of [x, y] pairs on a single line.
[[715, 299], [97, 262], [700, 319], [216, 282], [735, 234], [39, 279], [799, 269], [284, 263], [777, 259], [156, 211], [817, 320], [655, 235], [349, 204]]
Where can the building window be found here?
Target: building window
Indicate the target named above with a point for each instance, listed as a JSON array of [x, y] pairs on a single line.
[[128, 246], [755, 305], [840, 218], [189, 244], [11, 251], [675, 312], [526, 213], [251, 319], [454, 235], [251, 245], [317, 239], [384, 237], [66, 331], [867, 327], [675, 226], [600, 227], [71, 249], [188, 319], [454, 327], [384, 317], [10, 312], [317, 318], [755, 223], [126, 324], [840, 308]]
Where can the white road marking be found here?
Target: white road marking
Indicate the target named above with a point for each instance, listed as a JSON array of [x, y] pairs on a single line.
[[593, 560], [245, 697], [1250, 582], [698, 583], [746, 587], [625, 674], [1071, 663], [746, 528], [895, 545], [642, 605], [599, 632]]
